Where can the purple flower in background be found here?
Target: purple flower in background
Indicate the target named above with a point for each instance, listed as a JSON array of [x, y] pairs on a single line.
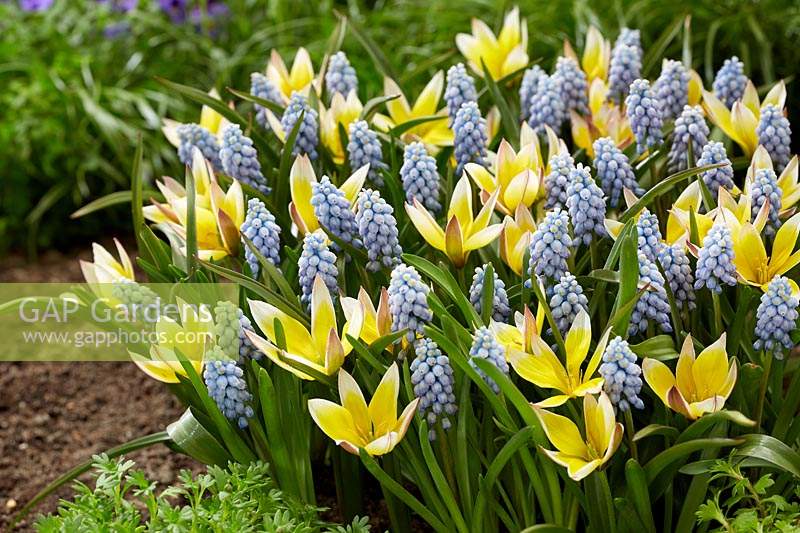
[[35, 5], [121, 6], [180, 11], [175, 9]]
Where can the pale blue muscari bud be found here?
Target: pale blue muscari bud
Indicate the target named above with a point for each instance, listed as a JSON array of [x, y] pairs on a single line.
[[765, 187], [690, 127], [730, 81], [653, 304], [550, 248], [672, 88], [420, 177], [500, 307], [530, 83], [332, 209], [625, 67], [775, 135], [555, 183], [715, 266], [572, 85], [316, 258], [260, 228], [678, 270], [714, 153], [614, 171], [470, 137], [567, 301], [378, 230], [649, 234], [629, 37], [227, 387], [193, 136], [261, 87], [240, 159], [460, 89], [433, 381], [546, 108], [364, 147], [485, 346], [247, 349], [586, 205], [341, 76], [308, 135], [644, 113], [133, 295], [622, 375], [408, 301], [226, 328], [776, 318]]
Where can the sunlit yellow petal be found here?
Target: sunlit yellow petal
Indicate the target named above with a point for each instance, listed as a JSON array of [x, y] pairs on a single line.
[[658, 376], [562, 433], [428, 99], [426, 225], [383, 406], [577, 343], [335, 421]]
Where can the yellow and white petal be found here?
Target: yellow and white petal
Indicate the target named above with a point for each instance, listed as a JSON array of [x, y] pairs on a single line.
[[323, 314], [426, 225], [335, 421], [353, 400], [428, 99], [577, 343], [298, 338], [710, 369], [659, 377], [562, 433], [383, 406]]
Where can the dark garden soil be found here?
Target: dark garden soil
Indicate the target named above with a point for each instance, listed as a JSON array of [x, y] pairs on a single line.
[[54, 416]]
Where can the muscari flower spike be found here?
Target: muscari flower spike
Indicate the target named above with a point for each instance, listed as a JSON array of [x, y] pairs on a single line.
[[730, 81], [555, 183], [653, 304], [567, 301], [247, 349], [408, 301], [715, 266], [341, 76], [546, 107], [460, 88], [261, 87], [690, 127], [316, 258], [333, 211], [644, 113], [550, 247], [420, 177], [132, 294], [240, 160], [226, 327], [485, 346], [530, 83], [470, 136], [649, 234], [672, 88], [308, 135], [433, 380], [678, 269], [195, 136], [571, 83], [500, 308], [586, 205], [614, 171], [775, 134], [776, 318], [714, 153], [622, 376], [364, 147], [378, 230], [626, 66], [765, 188], [260, 228], [629, 37], [227, 387]]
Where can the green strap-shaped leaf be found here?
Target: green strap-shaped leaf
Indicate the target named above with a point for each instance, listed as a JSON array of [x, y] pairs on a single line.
[[196, 441]]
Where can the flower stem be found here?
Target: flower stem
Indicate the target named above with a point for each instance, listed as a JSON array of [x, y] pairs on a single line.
[[717, 315], [767, 356], [629, 429]]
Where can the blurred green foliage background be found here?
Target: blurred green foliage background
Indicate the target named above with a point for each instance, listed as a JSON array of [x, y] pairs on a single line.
[[74, 99]]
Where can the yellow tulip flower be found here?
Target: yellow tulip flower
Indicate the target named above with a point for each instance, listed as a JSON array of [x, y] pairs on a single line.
[[787, 181], [542, 367], [105, 268], [465, 232], [603, 436], [520, 336], [192, 337], [321, 349], [515, 238], [342, 112], [377, 322], [596, 55], [219, 214], [606, 120], [740, 121], [209, 119], [300, 79], [700, 385], [519, 175], [353, 425], [301, 184], [434, 133], [695, 92], [502, 54]]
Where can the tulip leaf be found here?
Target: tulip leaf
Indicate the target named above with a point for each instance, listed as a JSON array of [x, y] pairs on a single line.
[[771, 450], [442, 487], [701, 426], [654, 430], [136, 191], [400, 129], [508, 119], [272, 271], [196, 441], [378, 58], [380, 344], [661, 347], [191, 223], [263, 102], [155, 247], [638, 494], [445, 280], [109, 200], [656, 50], [546, 528], [603, 274], [285, 164], [487, 295], [372, 105]]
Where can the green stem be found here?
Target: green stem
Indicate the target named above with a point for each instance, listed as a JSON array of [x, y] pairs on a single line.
[[447, 457], [717, 315], [629, 429], [600, 506], [762, 392]]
